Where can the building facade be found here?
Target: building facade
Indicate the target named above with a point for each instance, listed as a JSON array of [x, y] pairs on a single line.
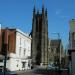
[[56, 53], [72, 47], [19, 49], [40, 37], [72, 34]]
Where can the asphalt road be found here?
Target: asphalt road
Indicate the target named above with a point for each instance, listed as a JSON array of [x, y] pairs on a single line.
[[42, 72]]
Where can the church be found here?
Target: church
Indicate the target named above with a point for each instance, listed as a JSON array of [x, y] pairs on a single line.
[[39, 45]]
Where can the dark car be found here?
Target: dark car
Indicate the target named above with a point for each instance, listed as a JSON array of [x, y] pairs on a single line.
[[8, 73]]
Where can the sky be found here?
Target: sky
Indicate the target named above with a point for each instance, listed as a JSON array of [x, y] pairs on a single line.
[[19, 14]]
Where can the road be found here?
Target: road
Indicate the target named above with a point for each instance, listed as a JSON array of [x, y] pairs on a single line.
[[42, 72]]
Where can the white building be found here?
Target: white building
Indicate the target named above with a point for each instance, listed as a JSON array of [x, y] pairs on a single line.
[[19, 51], [72, 47]]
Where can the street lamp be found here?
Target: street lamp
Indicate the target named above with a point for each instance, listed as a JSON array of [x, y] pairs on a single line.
[[5, 49]]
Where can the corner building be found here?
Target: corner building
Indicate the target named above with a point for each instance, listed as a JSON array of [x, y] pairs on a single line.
[[39, 45], [19, 50]]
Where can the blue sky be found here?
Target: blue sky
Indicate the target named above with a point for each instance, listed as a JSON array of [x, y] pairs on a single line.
[[18, 14]]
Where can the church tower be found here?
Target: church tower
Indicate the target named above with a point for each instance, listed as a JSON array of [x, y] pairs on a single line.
[[39, 46]]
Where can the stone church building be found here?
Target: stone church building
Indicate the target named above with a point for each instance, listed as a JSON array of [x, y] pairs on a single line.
[[39, 37]]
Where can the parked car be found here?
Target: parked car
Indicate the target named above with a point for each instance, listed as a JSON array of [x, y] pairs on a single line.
[[7, 73], [52, 66], [1, 68]]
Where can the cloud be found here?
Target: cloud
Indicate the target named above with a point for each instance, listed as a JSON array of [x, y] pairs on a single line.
[[59, 11]]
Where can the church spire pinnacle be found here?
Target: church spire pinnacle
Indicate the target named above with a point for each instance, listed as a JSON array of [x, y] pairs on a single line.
[[42, 4], [34, 3], [34, 10], [43, 7]]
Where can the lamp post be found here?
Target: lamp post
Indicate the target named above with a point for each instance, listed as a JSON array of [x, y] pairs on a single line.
[[5, 49], [60, 55]]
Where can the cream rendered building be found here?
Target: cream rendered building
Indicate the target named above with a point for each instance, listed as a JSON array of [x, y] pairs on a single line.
[[19, 51]]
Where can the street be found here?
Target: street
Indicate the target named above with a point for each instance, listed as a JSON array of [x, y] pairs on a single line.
[[42, 72]]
